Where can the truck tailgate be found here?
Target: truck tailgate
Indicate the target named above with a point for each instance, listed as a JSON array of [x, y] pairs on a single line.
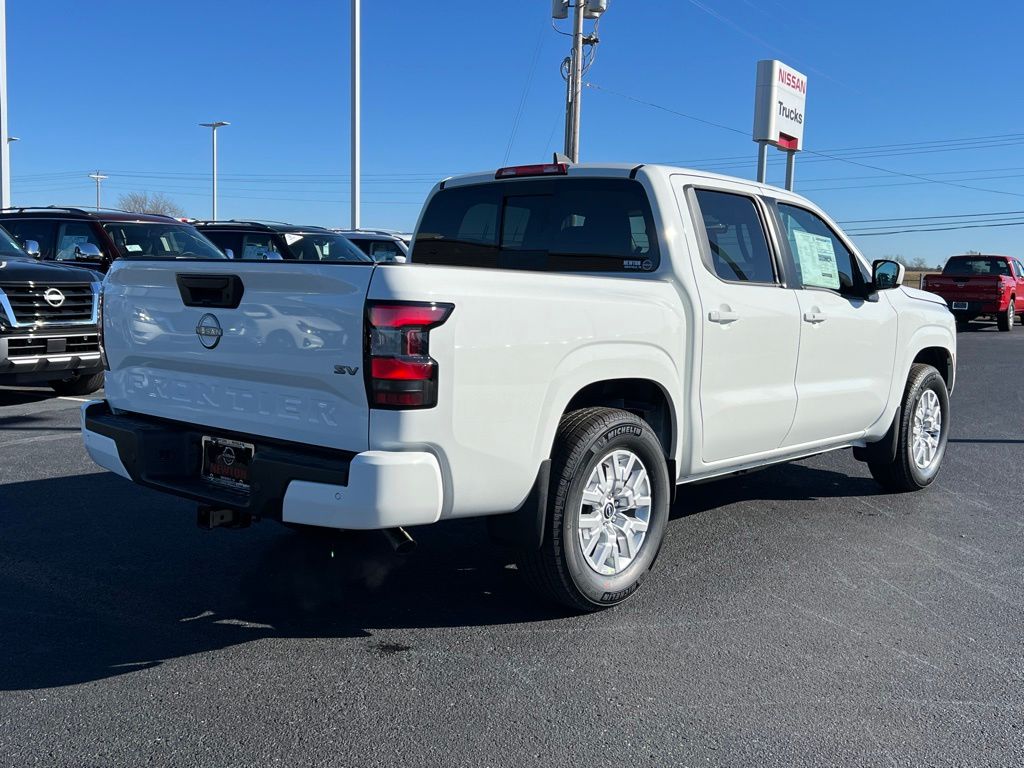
[[963, 287], [272, 349]]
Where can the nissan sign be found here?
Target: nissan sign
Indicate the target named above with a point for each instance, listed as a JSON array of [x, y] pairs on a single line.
[[780, 105]]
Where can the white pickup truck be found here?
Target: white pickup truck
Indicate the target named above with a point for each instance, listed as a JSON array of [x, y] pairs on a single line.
[[568, 345]]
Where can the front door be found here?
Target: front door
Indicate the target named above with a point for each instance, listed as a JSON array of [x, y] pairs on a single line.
[[847, 340], [750, 328]]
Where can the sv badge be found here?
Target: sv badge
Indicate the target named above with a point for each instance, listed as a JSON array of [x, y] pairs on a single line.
[[345, 369]]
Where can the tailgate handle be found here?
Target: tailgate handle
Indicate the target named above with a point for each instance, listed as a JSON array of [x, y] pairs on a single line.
[[218, 291]]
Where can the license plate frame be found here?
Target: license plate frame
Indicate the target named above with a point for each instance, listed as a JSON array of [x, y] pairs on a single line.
[[959, 305], [227, 463]]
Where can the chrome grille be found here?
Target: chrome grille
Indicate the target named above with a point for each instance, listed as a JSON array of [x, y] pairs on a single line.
[[28, 302]]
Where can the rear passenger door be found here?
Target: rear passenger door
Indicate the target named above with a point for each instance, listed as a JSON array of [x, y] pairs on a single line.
[[750, 326], [847, 337]]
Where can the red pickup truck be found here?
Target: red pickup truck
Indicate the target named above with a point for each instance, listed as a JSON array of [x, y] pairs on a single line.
[[976, 285]]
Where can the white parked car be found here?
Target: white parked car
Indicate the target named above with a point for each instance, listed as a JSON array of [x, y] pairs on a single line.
[[570, 343]]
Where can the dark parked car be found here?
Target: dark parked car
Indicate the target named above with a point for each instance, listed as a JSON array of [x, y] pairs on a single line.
[[95, 238], [263, 241], [380, 244], [48, 323]]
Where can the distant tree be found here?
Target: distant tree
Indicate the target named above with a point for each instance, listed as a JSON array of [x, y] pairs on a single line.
[[973, 253], [918, 263], [150, 202]]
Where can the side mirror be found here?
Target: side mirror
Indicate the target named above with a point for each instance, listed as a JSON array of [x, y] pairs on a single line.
[[88, 252], [229, 253], [887, 274], [32, 248]]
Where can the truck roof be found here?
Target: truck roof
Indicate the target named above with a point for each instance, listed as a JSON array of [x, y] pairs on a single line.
[[629, 170]]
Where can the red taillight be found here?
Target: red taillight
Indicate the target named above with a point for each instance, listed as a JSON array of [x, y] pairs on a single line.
[[400, 371], [540, 169]]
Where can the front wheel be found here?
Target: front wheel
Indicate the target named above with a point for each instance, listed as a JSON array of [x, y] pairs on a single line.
[[607, 513], [923, 431], [78, 385], [1008, 318]]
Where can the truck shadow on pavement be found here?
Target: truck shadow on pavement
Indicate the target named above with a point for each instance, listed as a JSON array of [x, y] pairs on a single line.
[[99, 578]]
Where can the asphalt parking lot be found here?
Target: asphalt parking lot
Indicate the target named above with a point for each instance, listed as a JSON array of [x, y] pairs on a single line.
[[798, 617]]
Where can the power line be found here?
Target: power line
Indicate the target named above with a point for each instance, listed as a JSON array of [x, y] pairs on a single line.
[[937, 229], [834, 157], [525, 94], [947, 216]]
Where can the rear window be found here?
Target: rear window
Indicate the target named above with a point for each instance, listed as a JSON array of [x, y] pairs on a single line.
[[977, 265], [565, 225]]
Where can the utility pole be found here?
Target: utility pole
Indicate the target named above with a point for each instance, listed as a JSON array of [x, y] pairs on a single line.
[[576, 75], [5, 154], [98, 178], [356, 117], [573, 65], [213, 129]]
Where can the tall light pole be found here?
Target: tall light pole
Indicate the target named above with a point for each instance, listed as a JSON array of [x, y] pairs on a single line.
[[356, 117], [98, 178], [5, 155], [213, 132]]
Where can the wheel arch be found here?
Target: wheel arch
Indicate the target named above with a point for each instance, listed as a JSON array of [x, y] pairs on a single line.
[[939, 358], [646, 396]]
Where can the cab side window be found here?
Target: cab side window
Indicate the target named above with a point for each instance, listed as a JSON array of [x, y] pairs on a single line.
[[735, 237], [226, 241], [40, 230], [260, 246], [71, 235], [820, 258]]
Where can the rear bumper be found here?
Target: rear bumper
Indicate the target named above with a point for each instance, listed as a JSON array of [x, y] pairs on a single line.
[[289, 482], [977, 307]]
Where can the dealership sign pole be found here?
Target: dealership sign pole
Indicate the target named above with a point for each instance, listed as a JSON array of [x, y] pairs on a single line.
[[780, 103]]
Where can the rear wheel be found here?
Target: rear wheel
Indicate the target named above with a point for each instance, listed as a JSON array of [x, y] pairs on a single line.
[[607, 513], [78, 385], [923, 431], [1006, 319]]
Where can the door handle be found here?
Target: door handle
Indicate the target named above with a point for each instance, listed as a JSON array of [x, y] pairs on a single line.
[[815, 317], [723, 316]]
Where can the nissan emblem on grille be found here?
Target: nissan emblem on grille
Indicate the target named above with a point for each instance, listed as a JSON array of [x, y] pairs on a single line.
[[53, 297], [209, 331]]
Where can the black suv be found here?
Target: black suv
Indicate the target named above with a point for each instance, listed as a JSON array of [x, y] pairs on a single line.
[[48, 323], [95, 238], [273, 241]]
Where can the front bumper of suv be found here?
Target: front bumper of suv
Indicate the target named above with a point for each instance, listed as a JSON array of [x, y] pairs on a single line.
[[290, 482], [32, 357]]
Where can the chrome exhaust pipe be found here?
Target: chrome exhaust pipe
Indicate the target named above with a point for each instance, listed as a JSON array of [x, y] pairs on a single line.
[[400, 540]]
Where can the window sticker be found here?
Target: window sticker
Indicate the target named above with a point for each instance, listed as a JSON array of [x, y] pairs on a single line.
[[255, 251], [818, 266]]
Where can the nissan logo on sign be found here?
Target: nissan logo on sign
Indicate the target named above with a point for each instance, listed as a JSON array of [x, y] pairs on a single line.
[[53, 297], [209, 331]]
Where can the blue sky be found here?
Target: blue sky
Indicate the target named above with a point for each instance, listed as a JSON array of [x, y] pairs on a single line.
[[119, 86]]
